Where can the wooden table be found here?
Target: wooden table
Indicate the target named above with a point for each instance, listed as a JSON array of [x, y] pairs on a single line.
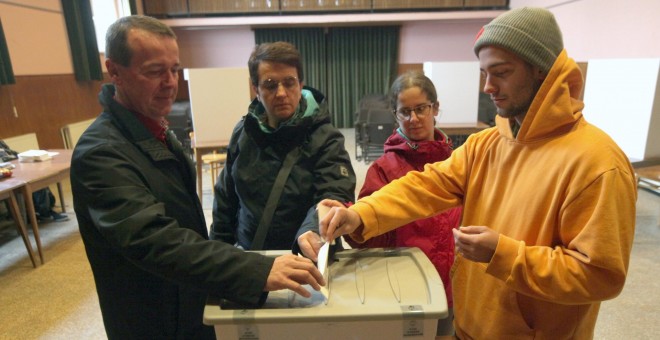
[[8, 187], [648, 177], [40, 175], [201, 148], [651, 173], [462, 129], [460, 132]]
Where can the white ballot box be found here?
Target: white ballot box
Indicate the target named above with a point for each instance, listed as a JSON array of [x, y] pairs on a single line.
[[373, 294]]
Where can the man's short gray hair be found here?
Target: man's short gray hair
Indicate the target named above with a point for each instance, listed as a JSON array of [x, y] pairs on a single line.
[[116, 38]]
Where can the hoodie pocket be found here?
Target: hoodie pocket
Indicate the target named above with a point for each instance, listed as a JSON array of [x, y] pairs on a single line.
[[484, 308]]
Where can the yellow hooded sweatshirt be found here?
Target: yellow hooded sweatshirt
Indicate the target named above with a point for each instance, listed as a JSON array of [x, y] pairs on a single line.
[[562, 196]]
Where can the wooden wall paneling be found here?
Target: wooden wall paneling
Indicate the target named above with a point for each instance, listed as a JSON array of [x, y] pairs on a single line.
[[324, 5], [233, 6], [165, 7], [162, 8], [45, 104], [417, 4], [6, 111], [486, 3], [403, 68]]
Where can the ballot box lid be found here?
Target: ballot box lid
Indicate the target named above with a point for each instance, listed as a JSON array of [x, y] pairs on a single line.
[[364, 284]]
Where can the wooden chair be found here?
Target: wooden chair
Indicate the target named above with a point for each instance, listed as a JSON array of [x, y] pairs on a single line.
[[216, 161], [72, 132]]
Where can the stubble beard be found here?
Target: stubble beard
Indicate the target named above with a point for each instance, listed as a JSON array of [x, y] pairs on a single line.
[[520, 110]]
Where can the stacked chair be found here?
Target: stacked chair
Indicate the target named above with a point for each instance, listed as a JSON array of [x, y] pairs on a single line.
[[374, 122], [180, 119]]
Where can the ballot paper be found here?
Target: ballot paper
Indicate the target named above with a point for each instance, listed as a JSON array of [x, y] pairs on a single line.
[[323, 268], [324, 253]]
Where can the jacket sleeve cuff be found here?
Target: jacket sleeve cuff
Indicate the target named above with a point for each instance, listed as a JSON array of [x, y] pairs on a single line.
[[506, 253], [369, 226]]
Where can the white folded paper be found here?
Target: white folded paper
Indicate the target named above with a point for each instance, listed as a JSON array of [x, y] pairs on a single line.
[[35, 156]]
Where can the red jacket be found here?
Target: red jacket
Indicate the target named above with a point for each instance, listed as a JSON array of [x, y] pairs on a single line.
[[432, 235]]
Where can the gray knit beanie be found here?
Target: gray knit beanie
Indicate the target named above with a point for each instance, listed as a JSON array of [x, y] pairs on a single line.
[[531, 33]]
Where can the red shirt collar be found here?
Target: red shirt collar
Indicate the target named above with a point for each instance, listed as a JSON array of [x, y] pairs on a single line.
[[156, 127]]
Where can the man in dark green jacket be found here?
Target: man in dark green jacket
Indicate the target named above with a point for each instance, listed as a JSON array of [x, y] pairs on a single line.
[[139, 216], [285, 121]]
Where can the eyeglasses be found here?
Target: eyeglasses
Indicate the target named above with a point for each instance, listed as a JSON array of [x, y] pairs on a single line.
[[272, 85], [405, 113]]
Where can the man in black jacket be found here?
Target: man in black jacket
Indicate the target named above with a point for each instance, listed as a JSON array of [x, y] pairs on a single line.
[[138, 212], [287, 128]]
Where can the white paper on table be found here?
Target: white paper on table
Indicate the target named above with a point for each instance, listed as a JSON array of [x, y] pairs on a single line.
[[35, 156]]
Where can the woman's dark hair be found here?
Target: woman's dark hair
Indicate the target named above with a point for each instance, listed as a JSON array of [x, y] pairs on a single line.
[[276, 52], [412, 79]]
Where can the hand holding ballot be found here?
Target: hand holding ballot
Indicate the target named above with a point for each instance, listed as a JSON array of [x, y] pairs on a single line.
[[291, 272], [338, 221], [310, 243]]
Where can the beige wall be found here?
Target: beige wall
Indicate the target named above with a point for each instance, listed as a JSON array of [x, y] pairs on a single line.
[[36, 37]]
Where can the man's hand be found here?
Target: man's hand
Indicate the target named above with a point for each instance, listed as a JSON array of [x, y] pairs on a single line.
[[338, 221], [310, 243], [292, 272], [476, 243]]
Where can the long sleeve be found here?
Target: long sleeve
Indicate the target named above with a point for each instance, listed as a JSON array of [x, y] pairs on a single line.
[[225, 201], [411, 197], [135, 214], [333, 174], [375, 179], [589, 261], [225, 207]]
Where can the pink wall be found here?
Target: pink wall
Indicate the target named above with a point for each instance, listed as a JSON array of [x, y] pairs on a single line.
[[592, 29], [438, 41], [598, 29], [215, 47], [420, 41]]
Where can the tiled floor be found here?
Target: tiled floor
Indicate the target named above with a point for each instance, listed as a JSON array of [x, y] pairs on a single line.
[[58, 300]]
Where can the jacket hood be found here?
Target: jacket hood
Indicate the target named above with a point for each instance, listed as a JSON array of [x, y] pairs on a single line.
[[420, 152], [130, 124], [555, 108], [133, 129], [312, 112], [309, 110]]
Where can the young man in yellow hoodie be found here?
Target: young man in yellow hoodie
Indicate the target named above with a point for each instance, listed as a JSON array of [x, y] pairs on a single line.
[[549, 199]]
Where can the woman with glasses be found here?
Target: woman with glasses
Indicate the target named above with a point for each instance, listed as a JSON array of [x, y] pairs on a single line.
[[413, 144]]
